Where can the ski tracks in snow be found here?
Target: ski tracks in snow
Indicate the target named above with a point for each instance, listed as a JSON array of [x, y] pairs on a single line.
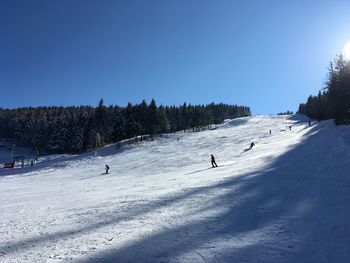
[[282, 201]]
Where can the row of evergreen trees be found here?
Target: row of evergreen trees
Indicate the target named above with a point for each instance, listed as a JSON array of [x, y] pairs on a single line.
[[77, 129], [334, 100], [286, 113]]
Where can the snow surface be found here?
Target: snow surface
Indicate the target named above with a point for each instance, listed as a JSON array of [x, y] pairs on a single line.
[[286, 200]]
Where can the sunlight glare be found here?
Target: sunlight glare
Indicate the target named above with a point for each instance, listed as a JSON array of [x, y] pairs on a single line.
[[346, 51]]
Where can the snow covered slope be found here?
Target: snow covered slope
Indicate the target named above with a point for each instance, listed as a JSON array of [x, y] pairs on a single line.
[[286, 200]]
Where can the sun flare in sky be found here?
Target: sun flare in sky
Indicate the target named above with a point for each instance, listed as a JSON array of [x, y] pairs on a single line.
[[346, 51]]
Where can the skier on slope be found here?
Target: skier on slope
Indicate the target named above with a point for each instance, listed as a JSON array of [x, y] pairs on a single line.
[[251, 145], [213, 163], [107, 169]]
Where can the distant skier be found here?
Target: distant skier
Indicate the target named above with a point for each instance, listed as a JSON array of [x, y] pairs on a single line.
[[290, 128], [251, 145], [107, 169], [270, 132], [213, 163]]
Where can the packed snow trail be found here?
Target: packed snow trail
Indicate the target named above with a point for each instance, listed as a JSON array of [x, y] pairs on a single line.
[[286, 200]]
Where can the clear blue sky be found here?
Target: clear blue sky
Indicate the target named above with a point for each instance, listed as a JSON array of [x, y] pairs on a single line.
[[269, 55]]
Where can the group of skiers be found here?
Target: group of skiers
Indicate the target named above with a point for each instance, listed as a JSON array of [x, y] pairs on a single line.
[[252, 144], [213, 162]]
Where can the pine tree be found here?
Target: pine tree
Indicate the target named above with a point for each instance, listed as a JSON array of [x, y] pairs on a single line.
[[334, 101], [153, 123], [131, 126]]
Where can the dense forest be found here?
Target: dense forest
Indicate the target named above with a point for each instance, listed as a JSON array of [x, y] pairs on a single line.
[[78, 129], [333, 102]]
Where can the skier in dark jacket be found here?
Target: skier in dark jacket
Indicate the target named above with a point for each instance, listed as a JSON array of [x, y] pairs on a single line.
[[107, 169], [251, 145], [213, 163]]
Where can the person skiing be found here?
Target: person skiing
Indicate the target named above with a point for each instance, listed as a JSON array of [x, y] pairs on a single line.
[[107, 169], [213, 163], [290, 128], [251, 145], [270, 132]]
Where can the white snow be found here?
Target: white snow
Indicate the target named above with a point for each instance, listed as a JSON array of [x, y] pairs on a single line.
[[286, 200]]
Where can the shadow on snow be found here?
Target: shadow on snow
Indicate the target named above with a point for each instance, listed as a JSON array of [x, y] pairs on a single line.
[[285, 213]]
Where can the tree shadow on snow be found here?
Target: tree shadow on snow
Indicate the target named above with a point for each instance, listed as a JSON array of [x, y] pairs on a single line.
[[279, 214], [285, 213]]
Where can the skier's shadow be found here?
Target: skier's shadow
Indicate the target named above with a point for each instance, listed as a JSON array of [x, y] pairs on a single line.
[[86, 178], [201, 170], [198, 171], [245, 150]]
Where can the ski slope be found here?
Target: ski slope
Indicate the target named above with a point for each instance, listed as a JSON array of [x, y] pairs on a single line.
[[286, 200]]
